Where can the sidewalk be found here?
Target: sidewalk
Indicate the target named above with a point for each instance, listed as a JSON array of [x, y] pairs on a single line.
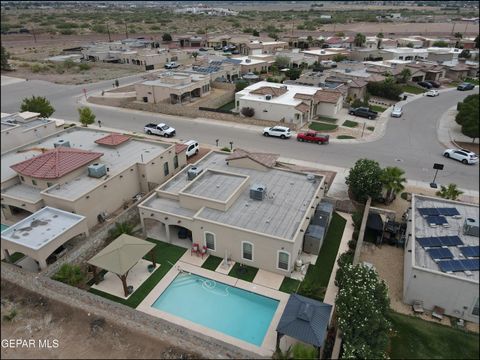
[[448, 131]]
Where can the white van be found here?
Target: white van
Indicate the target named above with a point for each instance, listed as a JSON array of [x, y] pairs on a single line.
[[192, 148]]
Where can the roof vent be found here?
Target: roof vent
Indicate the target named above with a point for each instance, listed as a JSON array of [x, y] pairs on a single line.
[[61, 143], [470, 227], [248, 60], [258, 192], [311, 178], [268, 97], [97, 170], [193, 172], [322, 51]]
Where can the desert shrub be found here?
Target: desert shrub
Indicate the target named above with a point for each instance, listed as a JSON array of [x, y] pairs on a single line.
[[247, 111]]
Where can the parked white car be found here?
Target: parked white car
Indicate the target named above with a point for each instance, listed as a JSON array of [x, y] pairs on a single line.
[[465, 156], [432, 93], [192, 148], [396, 112], [278, 131]]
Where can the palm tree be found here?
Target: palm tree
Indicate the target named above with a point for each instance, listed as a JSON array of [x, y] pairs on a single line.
[[393, 179], [450, 192], [359, 40], [405, 74], [121, 228]]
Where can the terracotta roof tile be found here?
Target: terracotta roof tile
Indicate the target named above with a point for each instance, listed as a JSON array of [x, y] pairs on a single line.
[[357, 83], [179, 148], [269, 90], [303, 96], [266, 159], [328, 96], [302, 107], [113, 139], [55, 163]]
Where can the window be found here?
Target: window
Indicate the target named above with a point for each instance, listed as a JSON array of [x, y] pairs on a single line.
[[475, 310], [247, 250], [34, 182], [210, 241], [165, 169], [22, 178], [175, 161], [283, 260]]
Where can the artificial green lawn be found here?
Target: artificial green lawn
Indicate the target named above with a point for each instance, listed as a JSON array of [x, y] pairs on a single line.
[[327, 119], [228, 106], [350, 123], [165, 255], [249, 275], [318, 275], [345, 137], [321, 127], [419, 339], [413, 89], [371, 128], [15, 257], [212, 262]]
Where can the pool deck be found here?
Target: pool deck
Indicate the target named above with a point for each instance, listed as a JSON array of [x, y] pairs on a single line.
[[137, 275], [268, 346]]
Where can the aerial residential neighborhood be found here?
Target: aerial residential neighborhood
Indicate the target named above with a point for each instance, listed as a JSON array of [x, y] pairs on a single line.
[[240, 179]]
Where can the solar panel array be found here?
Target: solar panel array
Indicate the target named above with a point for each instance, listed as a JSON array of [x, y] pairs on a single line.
[[438, 211], [440, 253], [206, 70], [437, 220], [459, 265], [470, 251], [439, 241]]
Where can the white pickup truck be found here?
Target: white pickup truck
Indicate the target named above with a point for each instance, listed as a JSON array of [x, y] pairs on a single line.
[[171, 65], [160, 129]]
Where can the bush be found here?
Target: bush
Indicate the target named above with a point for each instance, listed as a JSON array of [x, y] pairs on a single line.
[[70, 275], [38, 104], [240, 85], [385, 89], [226, 148], [344, 259], [67, 32], [352, 244], [87, 117], [11, 315], [84, 66], [247, 111]]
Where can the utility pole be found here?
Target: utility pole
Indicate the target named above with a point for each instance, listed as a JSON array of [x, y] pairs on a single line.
[[108, 31], [453, 28], [293, 24], [126, 29], [34, 35]]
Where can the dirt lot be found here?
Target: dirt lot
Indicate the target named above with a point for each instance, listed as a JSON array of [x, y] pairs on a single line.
[[79, 335]]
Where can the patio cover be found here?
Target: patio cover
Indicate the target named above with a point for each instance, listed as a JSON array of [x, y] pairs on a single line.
[[375, 222], [122, 254], [304, 319]]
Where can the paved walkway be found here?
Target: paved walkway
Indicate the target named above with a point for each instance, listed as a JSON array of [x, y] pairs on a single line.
[[7, 80]]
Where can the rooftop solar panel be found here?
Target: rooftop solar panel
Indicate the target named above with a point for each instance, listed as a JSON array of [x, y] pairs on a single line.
[[439, 241], [470, 251], [471, 264], [448, 211], [440, 253], [429, 242], [459, 265], [428, 211], [450, 240]]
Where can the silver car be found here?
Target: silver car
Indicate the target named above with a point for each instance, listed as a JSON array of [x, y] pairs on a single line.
[[396, 112]]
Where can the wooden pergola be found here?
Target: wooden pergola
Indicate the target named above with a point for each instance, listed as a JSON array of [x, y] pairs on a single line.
[[120, 256]]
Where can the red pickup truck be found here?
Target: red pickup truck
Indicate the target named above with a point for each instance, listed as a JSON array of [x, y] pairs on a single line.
[[312, 136]]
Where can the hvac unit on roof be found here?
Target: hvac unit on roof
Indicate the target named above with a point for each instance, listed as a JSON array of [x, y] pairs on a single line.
[[470, 227], [268, 97], [193, 172], [248, 61], [97, 170], [258, 192], [61, 143]]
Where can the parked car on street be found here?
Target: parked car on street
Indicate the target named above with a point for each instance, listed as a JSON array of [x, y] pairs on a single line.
[[159, 129], [313, 136], [171, 65], [465, 156], [432, 93], [278, 131], [465, 86], [192, 148], [363, 112], [435, 84], [425, 84], [396, 112]]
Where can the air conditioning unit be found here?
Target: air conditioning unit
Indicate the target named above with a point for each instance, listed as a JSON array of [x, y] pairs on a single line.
[[470, 227], [258, 192], [348, 70], [248, 61], [268, 97], [193, 172], [97, 170], [61, 143]]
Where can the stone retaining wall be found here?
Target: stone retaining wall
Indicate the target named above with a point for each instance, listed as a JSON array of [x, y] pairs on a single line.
[[122, 315]]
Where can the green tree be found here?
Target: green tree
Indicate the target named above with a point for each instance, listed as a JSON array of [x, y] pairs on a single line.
[[364, 179], [467, 116], [255, 33], [4, 59], [293, 74], [70, 274], [282, 62], [380, 35], [409, 45], [440, 43], [121, 228], [87, 117], [362, 307], [340, 34], [458, 35], [339, 58], [393, 179], [38, 104], [405, 74], [465, 54], [450, 192], [195, 54], [240, 85], [166, 37], [359, 40]]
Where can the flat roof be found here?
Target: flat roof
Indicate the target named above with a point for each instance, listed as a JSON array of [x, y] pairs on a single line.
[[22, 191], [40, 228], [279, 214], [328, 51], [244, 59], [288, 98], [455, 228], [406, 50], [116, 159], [214, 185]]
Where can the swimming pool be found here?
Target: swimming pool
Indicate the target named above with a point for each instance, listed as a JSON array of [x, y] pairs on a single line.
[[3, 227], [230, 310]]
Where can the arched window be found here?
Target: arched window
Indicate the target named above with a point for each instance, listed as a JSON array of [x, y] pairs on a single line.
[[247, 250], [283, 260], [210, 242]]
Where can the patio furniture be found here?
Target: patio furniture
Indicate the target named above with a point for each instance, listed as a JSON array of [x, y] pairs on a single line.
[[203, 251], [150, 268], [194, 249], [129, 289], [417, 307], [438, 312]]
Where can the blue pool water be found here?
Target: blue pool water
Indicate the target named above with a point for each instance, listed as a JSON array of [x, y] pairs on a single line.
[[3, 227], [230, 310]]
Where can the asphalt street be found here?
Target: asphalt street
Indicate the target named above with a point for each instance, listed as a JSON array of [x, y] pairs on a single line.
[[410, 142]]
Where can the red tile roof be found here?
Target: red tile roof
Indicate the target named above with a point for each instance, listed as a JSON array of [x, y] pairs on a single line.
[[266, 159], [179, 148], [303, 108], [328, 96], [113, 139], [270, 90], [55, 163]]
